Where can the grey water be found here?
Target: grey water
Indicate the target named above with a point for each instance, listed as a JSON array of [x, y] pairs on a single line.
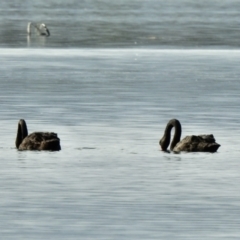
[[107, 80], [135, 23]]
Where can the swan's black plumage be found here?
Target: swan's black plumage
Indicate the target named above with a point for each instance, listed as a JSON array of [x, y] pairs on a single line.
[[200, 143], [37, 140]]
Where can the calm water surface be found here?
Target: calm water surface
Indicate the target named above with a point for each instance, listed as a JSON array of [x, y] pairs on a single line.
[[107, 80], [123, 23], [111, 181]]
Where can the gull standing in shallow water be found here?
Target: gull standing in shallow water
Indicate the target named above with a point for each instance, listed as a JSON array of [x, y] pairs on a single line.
[[36, 141], [41, 29], [201, 143]]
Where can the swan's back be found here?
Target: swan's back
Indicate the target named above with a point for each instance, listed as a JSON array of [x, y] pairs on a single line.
[[41, 141], [201, 143]]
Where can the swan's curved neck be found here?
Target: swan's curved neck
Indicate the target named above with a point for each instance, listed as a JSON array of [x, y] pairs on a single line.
[[22, 132], [29, 28], [164, 142]]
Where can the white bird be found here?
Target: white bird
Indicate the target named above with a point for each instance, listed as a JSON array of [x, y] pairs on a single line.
[[41, 29]]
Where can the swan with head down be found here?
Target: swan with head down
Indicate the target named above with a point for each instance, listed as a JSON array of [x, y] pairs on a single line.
[[36, 141], [200, 143], [40, 28]]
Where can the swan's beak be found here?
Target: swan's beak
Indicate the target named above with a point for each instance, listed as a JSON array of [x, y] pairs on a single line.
[[48, 33]]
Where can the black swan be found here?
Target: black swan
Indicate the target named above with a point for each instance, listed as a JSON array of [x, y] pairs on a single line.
[[37, 140], [201, 143], [41, 28]]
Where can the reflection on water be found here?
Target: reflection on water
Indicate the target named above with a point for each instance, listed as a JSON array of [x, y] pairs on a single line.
[[36, 41], [111, 180]]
